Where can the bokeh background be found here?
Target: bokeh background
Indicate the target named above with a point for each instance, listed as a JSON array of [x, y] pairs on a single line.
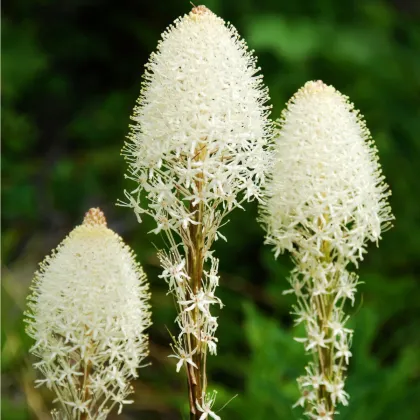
[[71, 74]]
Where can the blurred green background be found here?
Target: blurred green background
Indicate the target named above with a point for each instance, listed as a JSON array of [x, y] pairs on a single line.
[[71, 75]]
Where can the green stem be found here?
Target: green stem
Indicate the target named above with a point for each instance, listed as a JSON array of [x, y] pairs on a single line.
[[324, 306], [195, 271]]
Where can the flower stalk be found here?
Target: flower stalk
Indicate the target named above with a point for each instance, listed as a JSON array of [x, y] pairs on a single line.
[[196, 151], [87, 313], [325, 199]]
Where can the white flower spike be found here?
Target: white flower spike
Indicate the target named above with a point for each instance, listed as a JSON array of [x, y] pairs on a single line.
[[200, 128], [88, 312], [326, 198], [327, 185], [197, 150]]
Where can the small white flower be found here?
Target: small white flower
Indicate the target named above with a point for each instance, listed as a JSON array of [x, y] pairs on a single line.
[[186, 220], [322, 413], [342, 351], [119, 399], [183, 357], [313, 378], [303, 315], [316, 339], [336, 389], [206, 406], [175, 273], [320, 289], [337, 325], [297, 287], [347, 286], [201, 300], [211, 342], [307, 396], [186, 328], [78, 406]]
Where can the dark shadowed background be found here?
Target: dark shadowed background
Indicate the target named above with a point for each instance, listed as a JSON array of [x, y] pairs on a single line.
[[71, 74]]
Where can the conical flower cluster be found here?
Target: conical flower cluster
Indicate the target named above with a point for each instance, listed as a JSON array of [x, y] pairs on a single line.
[[325, 200], [88, 313], [197, 149], [327, 184], [200, 127]]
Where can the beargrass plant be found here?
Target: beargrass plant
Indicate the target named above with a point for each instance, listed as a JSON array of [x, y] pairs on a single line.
[[196, 151], [88, 312], [326, 199], [199, 147]]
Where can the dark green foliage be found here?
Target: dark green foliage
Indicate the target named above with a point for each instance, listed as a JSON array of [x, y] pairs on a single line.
[[71, 75]]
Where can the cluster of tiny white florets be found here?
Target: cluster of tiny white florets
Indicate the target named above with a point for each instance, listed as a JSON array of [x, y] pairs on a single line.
[[327, 183], [201, 125], [322, 289], [199, 323], [325, 200], [88, 313], [196, 150]]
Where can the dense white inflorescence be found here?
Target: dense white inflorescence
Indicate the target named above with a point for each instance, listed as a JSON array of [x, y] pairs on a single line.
[[326, 198], [327, 183], [200, 128], [196, 150], [88, 312]]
